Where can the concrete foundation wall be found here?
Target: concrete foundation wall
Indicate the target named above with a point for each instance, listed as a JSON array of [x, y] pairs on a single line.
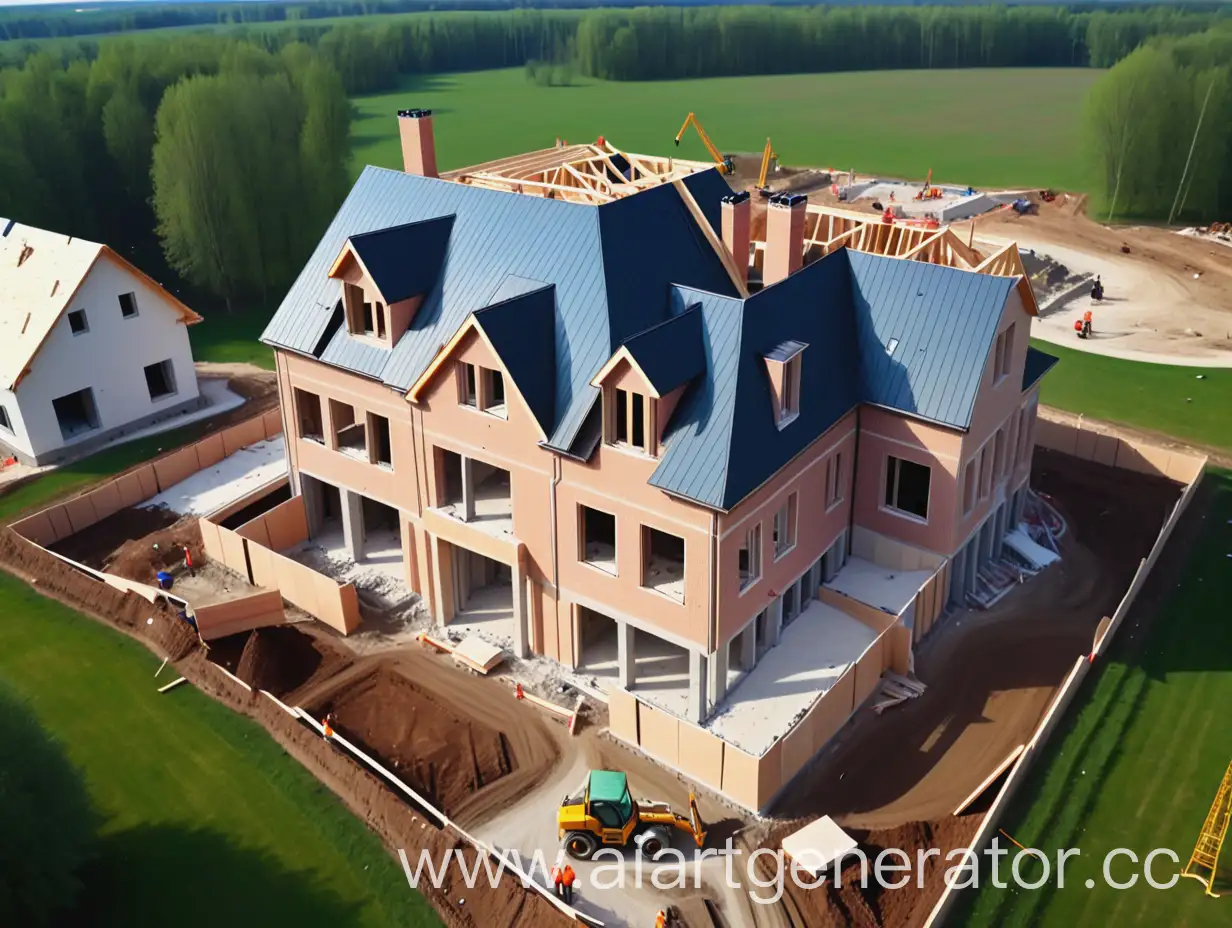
[[240, 615]]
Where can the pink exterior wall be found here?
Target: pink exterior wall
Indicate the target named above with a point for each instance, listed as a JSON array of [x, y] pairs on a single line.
[[884, 434], [816, 527]]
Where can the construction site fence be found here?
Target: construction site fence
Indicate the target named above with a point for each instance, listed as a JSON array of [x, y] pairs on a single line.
[[336, 604], [60, 520], [750, 780], [1093, 445]]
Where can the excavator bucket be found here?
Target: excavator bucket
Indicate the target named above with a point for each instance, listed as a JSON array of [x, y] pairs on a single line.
[[695, 819]]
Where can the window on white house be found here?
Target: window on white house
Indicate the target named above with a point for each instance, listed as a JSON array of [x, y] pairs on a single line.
[[468, 391], [750, 557], [5, 423], [907, 486], [128, 305], [77, 322], [785, 527], [598, 538], [76, 413], [160, 379]]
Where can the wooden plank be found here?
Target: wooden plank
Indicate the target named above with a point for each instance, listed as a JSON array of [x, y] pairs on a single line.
[[987, 781], [715, 242]]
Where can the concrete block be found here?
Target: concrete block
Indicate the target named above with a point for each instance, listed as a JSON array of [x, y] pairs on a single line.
[[210, 450], [1185, 468], [1084, 446], [287, 524], [626, 655], [622, 716], [797, 747], [660, 734], [769, 774], [80, 512], [148, 480], [741, 776], [868, 672], [833, 710], [1143, 458], [175, 467], [238, 615], [701, 755], [255, 530], [348, 598], [233, 553], [37, 528], [272, 422], [243, 434], [1106, 447], [130, 490], [106, 499], [260, 560], [898, 649], [296, 582]]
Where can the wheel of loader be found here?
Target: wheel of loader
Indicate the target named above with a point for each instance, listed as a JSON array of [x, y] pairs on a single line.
[[652, 841], [581, 845]]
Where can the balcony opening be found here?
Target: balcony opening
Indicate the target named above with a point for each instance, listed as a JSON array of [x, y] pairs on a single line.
[[598, 539], [663, 562], [474, 491], [308, 412], [382, 453], [76, 413], [351, 436]]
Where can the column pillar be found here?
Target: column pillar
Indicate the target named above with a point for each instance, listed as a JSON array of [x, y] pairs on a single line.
[[774, 622], [697, 687], [748, 647], [468, 490], [718, 675], [314, 504], [519, 605], [626, 658], [352, 523]]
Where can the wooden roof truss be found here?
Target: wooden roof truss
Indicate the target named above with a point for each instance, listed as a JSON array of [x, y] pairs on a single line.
[[590, 174]]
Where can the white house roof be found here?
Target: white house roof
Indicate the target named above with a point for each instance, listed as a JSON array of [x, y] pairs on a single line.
[[40, 272]]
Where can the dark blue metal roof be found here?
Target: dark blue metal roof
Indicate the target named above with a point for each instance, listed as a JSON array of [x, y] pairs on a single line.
[[670, 353], [940, 320], [521, 330], [404, 261], [611, 267], [1038, 364]]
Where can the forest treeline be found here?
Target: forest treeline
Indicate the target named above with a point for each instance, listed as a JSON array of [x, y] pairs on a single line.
[[1158, 130], [216, 160]]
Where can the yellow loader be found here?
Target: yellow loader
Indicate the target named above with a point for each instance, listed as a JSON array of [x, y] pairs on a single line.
[[603, 813]]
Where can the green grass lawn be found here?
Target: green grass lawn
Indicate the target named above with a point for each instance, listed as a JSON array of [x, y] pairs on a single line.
[[1137, 766], [207, 821], [983, 127], [1159, 397], [229, 338]]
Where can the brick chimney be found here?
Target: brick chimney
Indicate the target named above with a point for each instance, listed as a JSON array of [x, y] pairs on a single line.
[[736, 211], [418, 146], [784, 236]]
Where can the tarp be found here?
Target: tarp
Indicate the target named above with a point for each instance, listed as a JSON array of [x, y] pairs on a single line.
[[1035, 554]]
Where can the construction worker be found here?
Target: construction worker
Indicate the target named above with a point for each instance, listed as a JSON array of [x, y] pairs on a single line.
[[327, 728], [661, 919], [1086, 324], [1097, 289], [558, 881], [188, 564], [567, 876]]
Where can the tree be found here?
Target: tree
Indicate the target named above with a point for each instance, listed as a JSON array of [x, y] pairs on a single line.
[[46, 819]]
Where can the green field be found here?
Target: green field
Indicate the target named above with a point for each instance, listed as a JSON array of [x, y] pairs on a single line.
[[1002, 127], [207, 821], [230, 338], [1138, 764], [1157, 397]]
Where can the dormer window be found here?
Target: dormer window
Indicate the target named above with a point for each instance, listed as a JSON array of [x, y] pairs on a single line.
[[783, 367], [627, 419]]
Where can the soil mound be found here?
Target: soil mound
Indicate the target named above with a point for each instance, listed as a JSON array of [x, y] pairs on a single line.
[[143, 557], [282, 660], [426, 742]]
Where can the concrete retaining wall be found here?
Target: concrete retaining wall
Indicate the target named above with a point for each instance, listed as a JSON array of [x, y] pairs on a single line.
[[61, 520], [322, 597], [239, 615]]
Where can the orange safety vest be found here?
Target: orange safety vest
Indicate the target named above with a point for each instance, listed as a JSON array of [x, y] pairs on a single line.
[[329, 729], [568, 876], [1086, 317], [661, 919]]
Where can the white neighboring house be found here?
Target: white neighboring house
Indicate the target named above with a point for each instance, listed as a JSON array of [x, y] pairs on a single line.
[[90, 347]]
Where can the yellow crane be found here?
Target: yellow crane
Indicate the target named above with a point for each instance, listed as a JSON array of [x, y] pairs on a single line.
[[768, 156], [725, 163]]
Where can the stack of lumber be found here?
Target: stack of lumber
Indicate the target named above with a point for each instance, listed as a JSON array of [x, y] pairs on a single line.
[[896, 689]]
